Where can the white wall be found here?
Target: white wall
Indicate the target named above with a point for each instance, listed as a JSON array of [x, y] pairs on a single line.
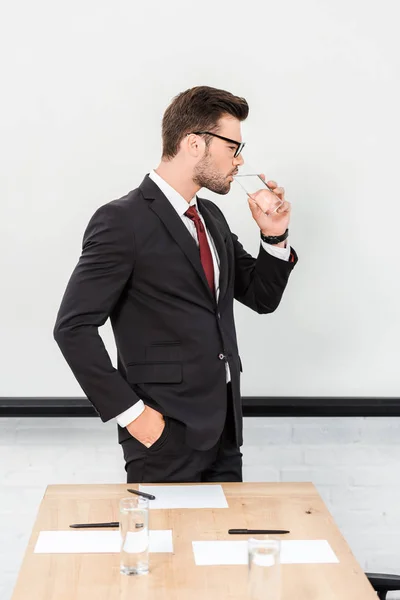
[[84, 87]]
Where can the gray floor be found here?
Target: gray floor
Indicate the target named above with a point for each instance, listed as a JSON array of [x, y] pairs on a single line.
[[35, 452]]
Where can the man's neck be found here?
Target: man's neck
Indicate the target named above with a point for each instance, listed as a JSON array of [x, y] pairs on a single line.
[[184, 186]]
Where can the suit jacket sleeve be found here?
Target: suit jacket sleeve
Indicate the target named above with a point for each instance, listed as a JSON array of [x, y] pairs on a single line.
[[95, 286], [260, 282]]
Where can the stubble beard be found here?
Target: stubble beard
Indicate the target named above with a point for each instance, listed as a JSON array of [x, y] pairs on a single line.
[[205, 175]]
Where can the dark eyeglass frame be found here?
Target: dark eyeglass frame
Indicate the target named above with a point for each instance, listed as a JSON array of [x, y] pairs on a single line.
[[240, 145]]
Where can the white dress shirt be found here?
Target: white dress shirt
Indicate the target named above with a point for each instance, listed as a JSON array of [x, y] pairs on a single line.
[[181, 206]]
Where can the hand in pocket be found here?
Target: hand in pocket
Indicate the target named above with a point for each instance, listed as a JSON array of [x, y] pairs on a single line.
[[148, 427]]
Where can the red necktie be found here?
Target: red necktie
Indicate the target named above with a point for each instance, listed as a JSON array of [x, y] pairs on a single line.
[[205, 252]]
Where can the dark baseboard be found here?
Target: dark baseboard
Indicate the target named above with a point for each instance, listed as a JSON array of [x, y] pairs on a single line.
[[253, 406]]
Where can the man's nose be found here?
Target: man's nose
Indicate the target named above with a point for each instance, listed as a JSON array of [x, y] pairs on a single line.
[[238, 161]]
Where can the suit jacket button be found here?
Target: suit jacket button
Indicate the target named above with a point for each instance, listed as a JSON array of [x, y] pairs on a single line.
[[221, 356]]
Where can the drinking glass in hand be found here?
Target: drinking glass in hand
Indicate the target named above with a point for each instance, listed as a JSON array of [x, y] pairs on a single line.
[[251, 183], [264, 569], [134, 530]]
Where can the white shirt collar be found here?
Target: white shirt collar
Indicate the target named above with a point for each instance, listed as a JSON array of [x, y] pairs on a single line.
[[178, 202]]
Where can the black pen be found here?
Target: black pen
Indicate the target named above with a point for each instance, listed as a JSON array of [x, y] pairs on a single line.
[[257, 531], [82, 525], [148, 496]]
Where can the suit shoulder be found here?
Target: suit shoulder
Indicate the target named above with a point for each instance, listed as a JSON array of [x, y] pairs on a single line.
[[119, 208], [123, 204], [114, 219]]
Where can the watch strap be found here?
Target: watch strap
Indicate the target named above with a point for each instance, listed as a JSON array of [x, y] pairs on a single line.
[[274, 239]]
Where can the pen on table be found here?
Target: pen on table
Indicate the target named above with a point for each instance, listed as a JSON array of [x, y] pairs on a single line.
[[148, 496], [113, 523], [82, 525], [257, 531]]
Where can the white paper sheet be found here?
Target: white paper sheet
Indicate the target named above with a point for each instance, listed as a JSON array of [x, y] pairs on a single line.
[[307, 552], [186, 496], [87, 542], [235, 553]]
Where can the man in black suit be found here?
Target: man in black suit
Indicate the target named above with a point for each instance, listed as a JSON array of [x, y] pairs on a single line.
[[163, 264]]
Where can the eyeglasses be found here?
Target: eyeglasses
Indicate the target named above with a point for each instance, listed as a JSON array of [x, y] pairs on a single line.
[[240, 145]]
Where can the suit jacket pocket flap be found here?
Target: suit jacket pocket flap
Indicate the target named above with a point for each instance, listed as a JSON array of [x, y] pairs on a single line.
[[155, 373]]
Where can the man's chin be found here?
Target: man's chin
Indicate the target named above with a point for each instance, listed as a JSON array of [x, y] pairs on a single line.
[[222, 191], [217, 187], [226, 191]]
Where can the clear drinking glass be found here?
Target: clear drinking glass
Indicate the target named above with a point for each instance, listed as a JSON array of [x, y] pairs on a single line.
[[264, 569], [251, 182], [134, 530]]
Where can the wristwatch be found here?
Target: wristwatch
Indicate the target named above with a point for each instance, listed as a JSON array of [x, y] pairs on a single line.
[[274, 239]]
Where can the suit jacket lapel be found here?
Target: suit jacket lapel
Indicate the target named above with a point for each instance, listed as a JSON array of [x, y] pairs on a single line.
[[168, 215]]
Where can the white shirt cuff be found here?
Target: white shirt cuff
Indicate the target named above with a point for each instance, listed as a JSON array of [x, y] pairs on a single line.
[[131, 414], [277, 251]]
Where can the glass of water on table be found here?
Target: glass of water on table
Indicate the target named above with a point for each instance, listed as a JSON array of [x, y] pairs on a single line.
[[264, 575], [134, 531]]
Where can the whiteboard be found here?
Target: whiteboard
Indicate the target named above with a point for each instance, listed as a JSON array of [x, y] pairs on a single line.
[[84, 87]]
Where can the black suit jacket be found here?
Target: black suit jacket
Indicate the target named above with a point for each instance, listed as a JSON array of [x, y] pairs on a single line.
[[141, 267]]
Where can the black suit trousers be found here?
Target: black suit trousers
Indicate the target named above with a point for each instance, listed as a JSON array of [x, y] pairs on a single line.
[[170, 459]]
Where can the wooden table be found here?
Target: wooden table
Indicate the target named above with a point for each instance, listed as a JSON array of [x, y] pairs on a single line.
[[294, 506]]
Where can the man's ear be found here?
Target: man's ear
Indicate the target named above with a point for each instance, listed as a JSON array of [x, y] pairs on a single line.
[[193, 145]]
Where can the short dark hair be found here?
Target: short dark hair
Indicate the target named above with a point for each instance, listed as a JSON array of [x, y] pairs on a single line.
[[198, 109]]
